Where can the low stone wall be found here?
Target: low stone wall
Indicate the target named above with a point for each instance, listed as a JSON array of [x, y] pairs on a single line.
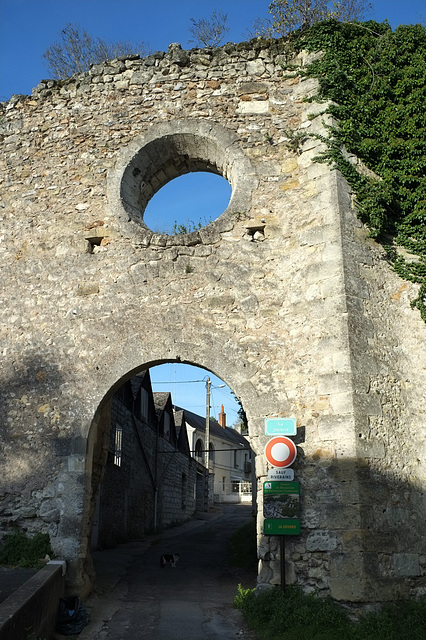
[[33, 608]]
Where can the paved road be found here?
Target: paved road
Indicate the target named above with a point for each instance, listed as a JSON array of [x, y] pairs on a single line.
[[190, 602]]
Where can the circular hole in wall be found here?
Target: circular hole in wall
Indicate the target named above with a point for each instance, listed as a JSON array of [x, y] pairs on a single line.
[[164, 159], [188, 203], [177, 151]]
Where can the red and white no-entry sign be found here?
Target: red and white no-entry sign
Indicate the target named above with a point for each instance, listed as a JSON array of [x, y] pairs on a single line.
[[280, 452]]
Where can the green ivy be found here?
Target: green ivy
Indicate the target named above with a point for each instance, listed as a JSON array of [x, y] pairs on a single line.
[[376, 78]]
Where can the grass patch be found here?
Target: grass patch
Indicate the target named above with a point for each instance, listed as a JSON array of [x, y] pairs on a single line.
[[293, 615], [20, 550], [274, 615]]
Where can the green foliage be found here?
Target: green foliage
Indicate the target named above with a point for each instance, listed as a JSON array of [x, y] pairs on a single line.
[[243, 598], [241, 413], [394, 622], [295, 139], [182, 228], [375, 80], [275, 615], [20, 550], [292, 615], [187, 227]]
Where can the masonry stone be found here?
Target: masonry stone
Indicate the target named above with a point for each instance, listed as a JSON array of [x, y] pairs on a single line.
[[284, 296]]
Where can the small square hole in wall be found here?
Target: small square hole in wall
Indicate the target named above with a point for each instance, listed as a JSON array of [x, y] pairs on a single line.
[[96, 244]]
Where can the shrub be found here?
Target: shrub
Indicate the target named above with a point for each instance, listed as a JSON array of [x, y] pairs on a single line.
[[24, 551], [242, 547], [292, 615]]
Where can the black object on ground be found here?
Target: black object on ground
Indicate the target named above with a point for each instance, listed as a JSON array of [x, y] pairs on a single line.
[[73, 616]]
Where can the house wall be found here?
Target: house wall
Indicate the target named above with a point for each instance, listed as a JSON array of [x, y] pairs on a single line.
[[224, 467], [177, 488], [284, 297], [152, 488], [126, 499], [222, 464]]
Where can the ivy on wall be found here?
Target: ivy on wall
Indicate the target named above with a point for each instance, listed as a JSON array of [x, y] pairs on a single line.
[[376, 80]]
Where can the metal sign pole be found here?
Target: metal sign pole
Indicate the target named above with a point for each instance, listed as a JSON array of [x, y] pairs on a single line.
[[207, 445], [282, 554]]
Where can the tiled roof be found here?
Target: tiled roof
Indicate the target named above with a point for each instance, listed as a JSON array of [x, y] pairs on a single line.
[[160, 400], [199, 423], [137, 381]]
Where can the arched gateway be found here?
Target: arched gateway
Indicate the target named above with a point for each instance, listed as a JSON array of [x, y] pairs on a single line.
[[283, 296]]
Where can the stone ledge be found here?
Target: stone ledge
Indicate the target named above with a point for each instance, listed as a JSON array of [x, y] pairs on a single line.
[[33, 608]]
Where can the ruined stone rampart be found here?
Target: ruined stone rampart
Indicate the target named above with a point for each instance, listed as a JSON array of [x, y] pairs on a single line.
[[283, 296]]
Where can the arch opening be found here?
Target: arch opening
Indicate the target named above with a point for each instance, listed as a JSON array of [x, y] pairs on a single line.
[[164, 159], [146, 449]]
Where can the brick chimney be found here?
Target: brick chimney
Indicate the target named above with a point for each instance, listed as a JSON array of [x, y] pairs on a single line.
[[222, 418]]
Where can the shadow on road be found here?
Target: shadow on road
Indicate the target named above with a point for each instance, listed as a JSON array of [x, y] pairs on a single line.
[[135, 597]]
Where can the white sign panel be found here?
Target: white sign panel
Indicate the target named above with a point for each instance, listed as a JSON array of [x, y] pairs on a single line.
[[281, 474]]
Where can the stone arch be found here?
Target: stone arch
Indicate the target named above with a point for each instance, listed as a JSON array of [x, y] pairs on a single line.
[[167, 151], [294, 306], [99, 429]]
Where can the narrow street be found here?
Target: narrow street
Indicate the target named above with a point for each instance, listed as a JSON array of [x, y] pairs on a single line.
[[135, 598]]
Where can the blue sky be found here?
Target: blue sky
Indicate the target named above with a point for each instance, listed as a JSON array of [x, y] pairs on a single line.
[[187, 384], [28, 27], [189, 200]]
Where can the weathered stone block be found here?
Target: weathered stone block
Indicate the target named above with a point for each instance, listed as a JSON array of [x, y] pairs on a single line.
[[321, 541], [253, 107], [406, 564]]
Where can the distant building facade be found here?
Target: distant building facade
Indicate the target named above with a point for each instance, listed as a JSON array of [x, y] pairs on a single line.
[[229, 456], [149, 480]]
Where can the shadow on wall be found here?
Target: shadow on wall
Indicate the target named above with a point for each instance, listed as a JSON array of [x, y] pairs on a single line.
[[362, 530], [143, 478], [36, 440]]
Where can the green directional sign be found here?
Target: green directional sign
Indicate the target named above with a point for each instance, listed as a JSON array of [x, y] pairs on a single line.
[[280, 426], [283, 527], [281, 508]]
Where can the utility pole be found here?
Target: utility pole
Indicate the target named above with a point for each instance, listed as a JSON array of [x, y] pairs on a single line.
[[206, 452]]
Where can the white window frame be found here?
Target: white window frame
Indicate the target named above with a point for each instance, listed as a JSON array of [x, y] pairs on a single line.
[[118, 444]]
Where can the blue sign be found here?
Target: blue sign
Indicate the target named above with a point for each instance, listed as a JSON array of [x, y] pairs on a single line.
[[280, 426]]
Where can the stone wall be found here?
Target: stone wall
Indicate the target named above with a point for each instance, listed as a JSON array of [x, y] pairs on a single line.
[[284, 297]]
